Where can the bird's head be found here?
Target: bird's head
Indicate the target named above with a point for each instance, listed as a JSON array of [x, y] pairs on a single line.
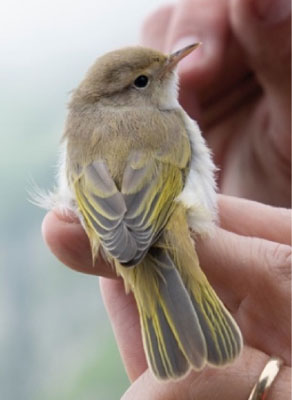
[[132, 76]]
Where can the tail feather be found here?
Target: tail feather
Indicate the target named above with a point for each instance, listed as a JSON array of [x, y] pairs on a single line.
[[172, 334], [164, 354], [185, 327], [222, 335], [179, 311]]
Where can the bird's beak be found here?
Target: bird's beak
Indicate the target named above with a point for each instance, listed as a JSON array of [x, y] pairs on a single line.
[[174, 58]]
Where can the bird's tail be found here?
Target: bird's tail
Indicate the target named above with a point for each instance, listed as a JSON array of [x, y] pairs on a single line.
[[184, 323]]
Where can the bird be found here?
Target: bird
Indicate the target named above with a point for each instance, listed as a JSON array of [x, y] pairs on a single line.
[[136, 170]]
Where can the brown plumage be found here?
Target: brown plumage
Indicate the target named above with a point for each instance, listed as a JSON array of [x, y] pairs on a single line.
[[138, 173]]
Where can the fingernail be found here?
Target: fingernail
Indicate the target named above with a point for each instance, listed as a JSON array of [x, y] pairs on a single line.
[[193, 58], [273, 11]]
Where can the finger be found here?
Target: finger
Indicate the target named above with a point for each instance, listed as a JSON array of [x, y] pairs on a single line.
[[67, 239], [250, 218], [263, 28], [233, 382], [252, 278], [124, 318], [201, 77], [204, 84], [193, 22], [155, 28], [239, 265], [235, 266], [224, 255], [198, 22]]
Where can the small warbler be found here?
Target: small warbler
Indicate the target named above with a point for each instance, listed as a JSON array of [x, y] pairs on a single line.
[[136, 170]]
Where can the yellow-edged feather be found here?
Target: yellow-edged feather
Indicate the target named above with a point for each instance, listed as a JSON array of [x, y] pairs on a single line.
[[169, 350]]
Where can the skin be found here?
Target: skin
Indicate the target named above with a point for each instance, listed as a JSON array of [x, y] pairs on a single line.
[[248, 264], [238, 86]]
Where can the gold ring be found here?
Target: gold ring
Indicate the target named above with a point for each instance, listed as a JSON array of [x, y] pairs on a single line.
[[267, 377]]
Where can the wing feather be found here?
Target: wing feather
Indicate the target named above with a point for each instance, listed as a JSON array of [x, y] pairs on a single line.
[[127, 221]]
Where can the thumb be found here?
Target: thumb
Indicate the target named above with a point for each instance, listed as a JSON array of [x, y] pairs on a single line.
[[263, 28], [198, 21], [155, 27]]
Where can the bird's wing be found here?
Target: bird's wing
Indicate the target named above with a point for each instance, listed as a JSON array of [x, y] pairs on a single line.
[[128, 221]]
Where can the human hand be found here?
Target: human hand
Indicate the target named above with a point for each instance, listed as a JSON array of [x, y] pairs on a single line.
[[248, 264], [237, 85]]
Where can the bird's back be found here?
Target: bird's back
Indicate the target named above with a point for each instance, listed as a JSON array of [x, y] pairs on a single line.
[[115, 133]]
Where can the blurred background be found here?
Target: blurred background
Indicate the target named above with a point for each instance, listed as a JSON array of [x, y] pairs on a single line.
[[55, 338]]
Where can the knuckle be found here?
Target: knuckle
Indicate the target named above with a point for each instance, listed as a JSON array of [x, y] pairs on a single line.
[[278, 259]]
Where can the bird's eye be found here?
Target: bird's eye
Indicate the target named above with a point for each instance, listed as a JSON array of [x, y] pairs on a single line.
[[141, 81]]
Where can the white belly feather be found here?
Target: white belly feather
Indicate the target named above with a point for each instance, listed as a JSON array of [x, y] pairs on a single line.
[[199, 193]]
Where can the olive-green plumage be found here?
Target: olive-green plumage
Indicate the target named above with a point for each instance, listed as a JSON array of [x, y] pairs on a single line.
[[128, 159]]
